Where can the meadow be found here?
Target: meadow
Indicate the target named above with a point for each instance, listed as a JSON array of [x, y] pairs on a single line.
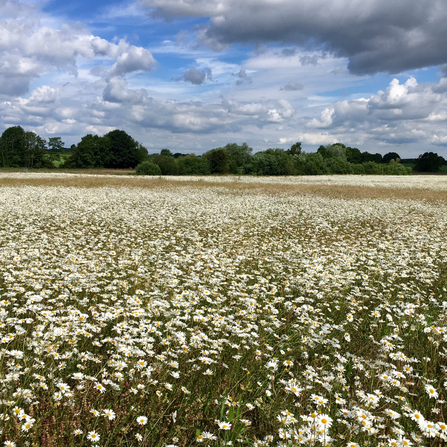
[[222, 311]]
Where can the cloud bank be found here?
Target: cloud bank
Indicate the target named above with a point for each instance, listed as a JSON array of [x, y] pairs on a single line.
[[375, 35]]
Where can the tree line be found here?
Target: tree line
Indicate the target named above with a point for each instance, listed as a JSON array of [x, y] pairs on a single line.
[[118, 150]]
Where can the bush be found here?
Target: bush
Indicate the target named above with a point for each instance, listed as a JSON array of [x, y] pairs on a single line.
[[148, 168]]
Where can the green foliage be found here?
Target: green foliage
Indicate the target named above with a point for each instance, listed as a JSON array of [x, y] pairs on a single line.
[[91, 152], [166, 163], [239, 158], [336, 150], [390, 156], [12, 147], [429, 162], [192, 165], [125, 152], [295, 149], [148, 168], [272, 162], [217, 160]]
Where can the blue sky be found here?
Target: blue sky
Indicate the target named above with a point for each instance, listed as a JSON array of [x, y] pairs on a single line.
[[191, 75]]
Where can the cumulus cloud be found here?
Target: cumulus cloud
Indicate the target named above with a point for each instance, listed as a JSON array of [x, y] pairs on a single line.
[[403, 113], [269, 111], [29, 49], [195, 77], [377, 35], [117, 91]]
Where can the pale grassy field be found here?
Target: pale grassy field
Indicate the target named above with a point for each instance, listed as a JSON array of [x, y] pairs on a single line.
[[222, 311]]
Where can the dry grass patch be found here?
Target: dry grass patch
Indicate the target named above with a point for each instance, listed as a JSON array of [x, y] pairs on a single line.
[[327, 191]]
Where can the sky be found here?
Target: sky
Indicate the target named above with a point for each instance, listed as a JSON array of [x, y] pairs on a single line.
[[192, 75]]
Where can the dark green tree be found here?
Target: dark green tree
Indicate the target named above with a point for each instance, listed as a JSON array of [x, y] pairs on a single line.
[[272, 162], [295, 149], [429, 162], [190, 164], [92, 151], [13, 147], [217, 161], [390, 156], [125, 151], [167, 164], [34, 150], [147, 167], [353, 155], [239, 158]]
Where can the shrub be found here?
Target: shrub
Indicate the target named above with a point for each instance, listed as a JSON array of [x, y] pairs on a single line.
[[148, 168]]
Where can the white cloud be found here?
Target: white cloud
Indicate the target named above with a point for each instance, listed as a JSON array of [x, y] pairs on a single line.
[[29, 49]]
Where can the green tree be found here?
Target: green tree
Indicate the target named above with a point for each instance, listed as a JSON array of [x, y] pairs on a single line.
[[148, 168], [353, 155], [217, 161], [239, 158], [13, 147], [55, 150], [166, 163], [125, 152], [190, 164], [295, 149], [34, 150], [429, 162], [390, 156], [92, 151], [272, 162]]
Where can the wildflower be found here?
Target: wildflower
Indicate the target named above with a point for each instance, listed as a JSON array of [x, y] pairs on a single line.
[[417, 417], [9, 444], [93, 436], [431, 391], [110, 414], [139, 437], [224, 425], [77, 432], [324, 421], [142, 420]]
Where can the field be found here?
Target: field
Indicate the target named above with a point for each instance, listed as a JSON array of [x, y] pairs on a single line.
[[222, 311]]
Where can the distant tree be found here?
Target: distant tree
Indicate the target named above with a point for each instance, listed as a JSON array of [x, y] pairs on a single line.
[[337, 150], [148, 168], [55, 149], [34, 150], [239, 158], [125, 152], [92, 151], [166, 163], [190, 164], [13, 147], [217, 161], [390, 156], [273, 162], [375, 158], [429, 162], [166, 152], [295, 149], [353, 155]]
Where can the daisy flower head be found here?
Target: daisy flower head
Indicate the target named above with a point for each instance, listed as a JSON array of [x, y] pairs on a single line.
[[93, 436], [142, 420], [431, 391], [224, 425], [9, 444], [110, 414]]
